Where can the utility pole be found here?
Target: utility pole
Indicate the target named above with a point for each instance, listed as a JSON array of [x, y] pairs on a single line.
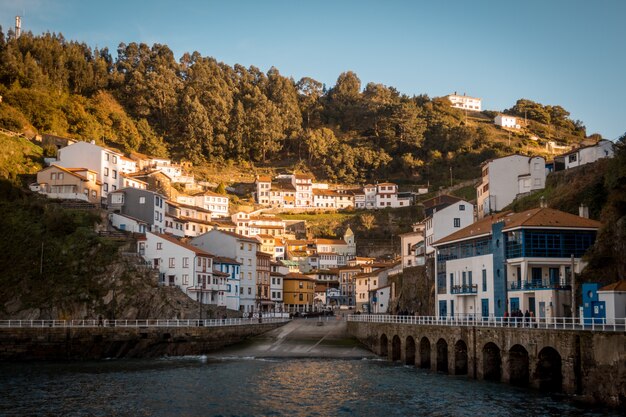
[[573, 281]]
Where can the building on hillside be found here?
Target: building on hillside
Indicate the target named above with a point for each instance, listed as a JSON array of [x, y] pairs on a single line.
[[218, 204], [238, 247], [255, 223], [144, 205], [367, 282], [263, 269], [69, 184], [504, 120], [127, 223], [381, 299], [277, 274], [130, 181], [303, 183], [298, 292], [585, 155], [444, 220], [465, 102], [107, 163], [387, 196], [56, 142], [184, 266], [613, 298], [412, 247], [263, 186], [156, 181], [127, 165], [512, 261], [193, 220], [503, 179], [175, 171], [230, 267]]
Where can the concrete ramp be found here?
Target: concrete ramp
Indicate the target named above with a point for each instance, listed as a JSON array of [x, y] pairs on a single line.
[[325, 337]]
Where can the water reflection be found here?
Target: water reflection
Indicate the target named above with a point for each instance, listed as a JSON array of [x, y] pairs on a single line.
[[202, 386]]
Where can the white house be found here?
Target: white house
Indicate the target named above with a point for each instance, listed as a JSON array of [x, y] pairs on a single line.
[[588, 154], [445, 221], [412, 247], [504, 120], [128, 223], [465, 102], [614, 298], [238, 247], [277, 274], [387, 196], [381, 299], [107, 163], [230, 267], [510, 262], [216, 203], [184, 266], [503, 179]]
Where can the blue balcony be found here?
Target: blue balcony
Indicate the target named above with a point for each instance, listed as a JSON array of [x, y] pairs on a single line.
[[537, 285], [465, 289]]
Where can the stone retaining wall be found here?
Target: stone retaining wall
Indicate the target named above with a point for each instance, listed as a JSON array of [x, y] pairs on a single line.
[[115, 342]]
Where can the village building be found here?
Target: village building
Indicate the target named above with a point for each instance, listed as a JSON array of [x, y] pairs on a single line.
[[465, 102], [512, 262], [504, 120], [277, 274], [263, 269], [445, 215], [584, 155], [144, 205], [230, 267], [69, 184], [298, 292]]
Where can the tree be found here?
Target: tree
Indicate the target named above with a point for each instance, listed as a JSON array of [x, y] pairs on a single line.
[[367, 220], [309, 93]]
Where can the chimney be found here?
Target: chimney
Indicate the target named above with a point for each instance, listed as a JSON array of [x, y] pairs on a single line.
[[583, 211]]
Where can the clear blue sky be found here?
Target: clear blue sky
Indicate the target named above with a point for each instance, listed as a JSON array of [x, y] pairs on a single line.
[[566, 52]]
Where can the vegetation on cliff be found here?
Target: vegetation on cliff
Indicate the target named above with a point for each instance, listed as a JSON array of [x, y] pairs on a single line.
[[206, 111]]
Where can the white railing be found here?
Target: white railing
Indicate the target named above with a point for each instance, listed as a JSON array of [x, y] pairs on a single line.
[[139, 323], [558, 323]]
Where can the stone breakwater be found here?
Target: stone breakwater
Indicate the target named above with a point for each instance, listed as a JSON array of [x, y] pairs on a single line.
[[589, 366], [57, 343]]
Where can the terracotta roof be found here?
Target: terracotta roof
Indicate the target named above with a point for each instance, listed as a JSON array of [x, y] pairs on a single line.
[[197, 208], [220, 273], [238, 236], [263, 254], [303, 176], [282, 186], [534, 218], [264, 236], [226, 260], [264, 178], [440, 199], [616, 286], [175, 241], [296, 275], [211, 193], [331, 193], [330, 242]]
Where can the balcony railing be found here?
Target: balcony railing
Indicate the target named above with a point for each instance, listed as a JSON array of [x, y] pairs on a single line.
[[538, 285], [465, 289]]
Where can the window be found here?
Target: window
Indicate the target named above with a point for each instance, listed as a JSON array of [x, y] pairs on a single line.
[[573, 157], [241, 291], [53, 176], [249, 291], [461, 207], [106, 172], [106, 187], [185, 262], [93, 193], [114, 174], [484, 280], [451, 281], [301, 297], [172, 263], [142, 200], [300, 284], [114, 159], [457, 222], [159, 246]]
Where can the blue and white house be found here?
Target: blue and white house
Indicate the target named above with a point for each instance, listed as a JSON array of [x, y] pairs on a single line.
[[512, 261], [230, 267]]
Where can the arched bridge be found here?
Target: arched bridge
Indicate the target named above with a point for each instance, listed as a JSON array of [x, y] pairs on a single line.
[[556, 356]]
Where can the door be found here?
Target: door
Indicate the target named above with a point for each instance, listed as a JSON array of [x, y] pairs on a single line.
[[443, 311], [484, 307], [519, 277], [531, 305], [451, 308], [514, 304], [156, 263], [542, 309], [554, 277], [536, 277]]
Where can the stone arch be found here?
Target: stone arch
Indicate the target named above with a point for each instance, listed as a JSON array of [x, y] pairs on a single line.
[[518, 366], [492, 362], [409, 351], [442, 356], [460, 358], [396, 348], [548, 371], [425, 353], [383, 345]]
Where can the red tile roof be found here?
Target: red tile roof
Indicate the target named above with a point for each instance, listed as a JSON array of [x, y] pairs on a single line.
[[175, 241], [616, 286]]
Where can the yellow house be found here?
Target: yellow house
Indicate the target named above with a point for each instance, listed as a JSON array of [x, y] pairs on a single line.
[[69, 183], [298, 292]]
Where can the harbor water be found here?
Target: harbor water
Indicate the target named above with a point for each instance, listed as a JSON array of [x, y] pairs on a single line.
[[247, 386]]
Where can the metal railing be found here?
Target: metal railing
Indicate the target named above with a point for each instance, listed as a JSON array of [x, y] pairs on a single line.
[[538, 285], [557, 323], [465, 289], [139, 323]]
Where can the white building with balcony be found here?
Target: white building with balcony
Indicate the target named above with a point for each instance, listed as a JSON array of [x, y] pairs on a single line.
[[465, 102]]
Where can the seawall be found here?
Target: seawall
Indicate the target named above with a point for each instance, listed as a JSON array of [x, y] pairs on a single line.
[[588, 365], [76, 343]]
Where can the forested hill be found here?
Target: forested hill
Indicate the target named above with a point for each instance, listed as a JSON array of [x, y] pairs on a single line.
[[205, 111]]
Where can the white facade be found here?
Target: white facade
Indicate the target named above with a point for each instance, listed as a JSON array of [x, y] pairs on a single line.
[[446, 221], [243, 250], [105, 162], [411, 252], [589, 154], [231, 294], [504, 120], [465, 102], [127, 223], [504, 178], [381, 299], [184, 266], [216, 203], [615, 305]]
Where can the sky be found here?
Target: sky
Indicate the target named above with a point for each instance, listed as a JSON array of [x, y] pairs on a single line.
[[570, 53]]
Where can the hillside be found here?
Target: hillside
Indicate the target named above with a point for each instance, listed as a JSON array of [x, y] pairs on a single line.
[[601, 186], [234, 122]]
